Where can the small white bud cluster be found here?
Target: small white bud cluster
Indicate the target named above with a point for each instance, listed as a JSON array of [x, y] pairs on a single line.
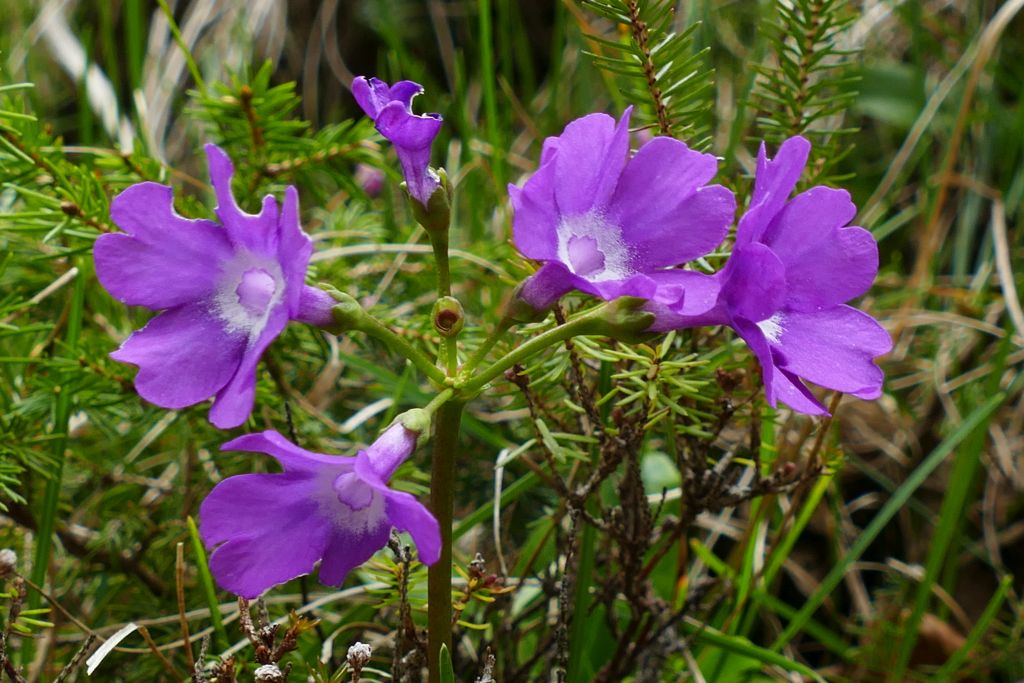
[[359, 656], [8, 562], [268, 673]]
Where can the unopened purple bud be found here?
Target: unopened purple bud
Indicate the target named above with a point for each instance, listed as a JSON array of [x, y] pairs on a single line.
[[370, 178]]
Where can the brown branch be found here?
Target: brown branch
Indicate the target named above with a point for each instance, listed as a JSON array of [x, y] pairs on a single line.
[[641, 37], [124, 561]]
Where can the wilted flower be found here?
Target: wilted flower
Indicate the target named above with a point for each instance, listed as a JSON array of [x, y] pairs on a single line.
[[226, 291], [784, 288], [270, 528], [607, 224], [390, 107]]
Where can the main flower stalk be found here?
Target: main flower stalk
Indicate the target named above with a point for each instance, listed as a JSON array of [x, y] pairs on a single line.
[[442, 503]]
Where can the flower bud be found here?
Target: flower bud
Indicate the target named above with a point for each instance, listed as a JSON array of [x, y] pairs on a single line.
[[358, 656], [625, 320], [8, 562], [521, 310], [417, 421], [268, 673], [347, 313], [370, 178], [435, 217], [448, 316]]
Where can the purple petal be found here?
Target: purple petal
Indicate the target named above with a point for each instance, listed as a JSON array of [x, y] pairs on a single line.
[[247, 514], [778, 384], [374, 94], [548, 150], [184, 356], [684, 299], [403, 511], [407, 130], [773, 183], [391, 449], [164, 260], [698, 225], [753, 282], [408, 514], [256, 233], [825, 265], [291, 457], [640, 285], [547, 285], [834, 348], [698, 293], [412, 137], [663, 218], [366, 96], [348, 549], [314, 307], [758, 343], [790, 390], [535, 215], [234, 402], [591, 154], [294, 249], [404, 91], [244, 504]]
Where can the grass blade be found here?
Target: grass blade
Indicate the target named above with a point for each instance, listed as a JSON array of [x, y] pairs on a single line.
[[894, 504], [953, 664], [209, 589], [61, 415]]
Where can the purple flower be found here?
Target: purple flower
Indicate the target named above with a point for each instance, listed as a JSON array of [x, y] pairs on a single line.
[[270, 528], [390, 107], [607, 224], [795, 265], [226, 292]]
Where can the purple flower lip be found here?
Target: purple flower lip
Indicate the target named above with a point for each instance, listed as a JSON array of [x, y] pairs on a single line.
[[611, 225], [266, 529], [390, 107], [784, 289], [226, 291]]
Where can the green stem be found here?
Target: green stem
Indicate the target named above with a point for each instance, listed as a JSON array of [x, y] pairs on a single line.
[[439, 401], [62, 412], [504, 325], [591, 322], [442, 502], [444, 273], [378, 330], [449, 354]]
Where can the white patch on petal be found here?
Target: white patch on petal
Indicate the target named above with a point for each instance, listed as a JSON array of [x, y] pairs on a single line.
[[227, 302], [335, 494], [772, 328], [593, 231]]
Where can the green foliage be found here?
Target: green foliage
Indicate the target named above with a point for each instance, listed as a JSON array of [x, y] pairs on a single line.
[[811, 81], [656, 66]]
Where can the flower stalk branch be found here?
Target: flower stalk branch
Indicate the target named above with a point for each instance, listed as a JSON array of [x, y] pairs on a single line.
[[504, 325], [349, 315], [619, 318]]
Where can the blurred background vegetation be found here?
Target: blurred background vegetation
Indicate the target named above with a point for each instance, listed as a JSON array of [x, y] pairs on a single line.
[[904, 561]]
